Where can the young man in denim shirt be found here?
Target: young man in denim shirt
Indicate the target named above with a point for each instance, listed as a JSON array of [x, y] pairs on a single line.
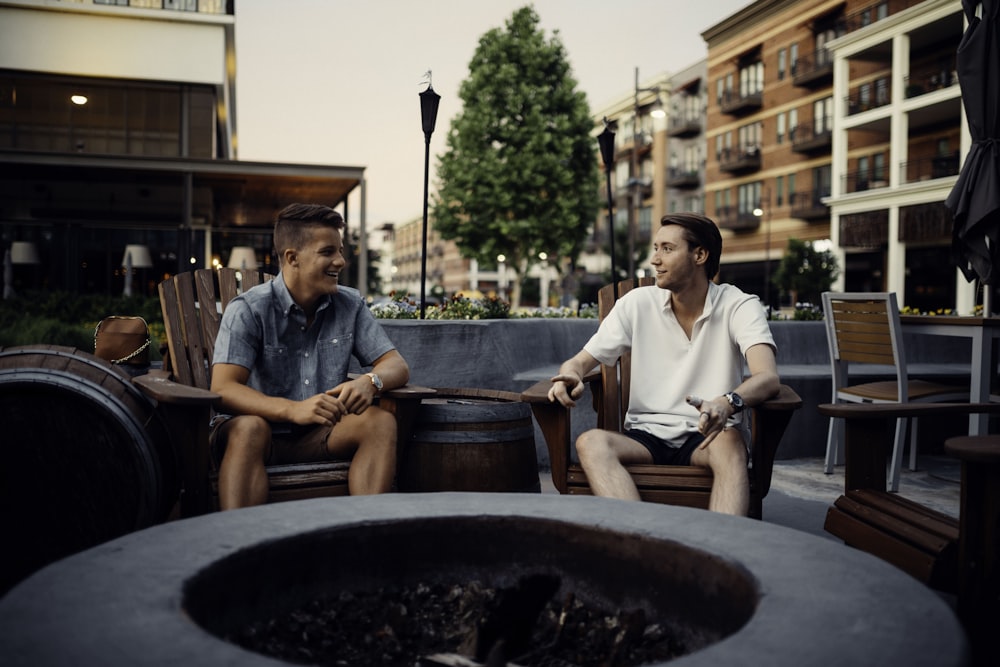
[[280, 365]]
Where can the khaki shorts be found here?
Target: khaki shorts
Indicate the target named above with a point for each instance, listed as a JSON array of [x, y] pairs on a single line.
[[290, 443]]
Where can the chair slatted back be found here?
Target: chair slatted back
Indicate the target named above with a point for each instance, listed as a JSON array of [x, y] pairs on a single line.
[[616, 379], [192, 305], [864, 327]]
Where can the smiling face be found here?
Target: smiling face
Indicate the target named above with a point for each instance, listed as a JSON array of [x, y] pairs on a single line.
[[313, 270], [677, 263]]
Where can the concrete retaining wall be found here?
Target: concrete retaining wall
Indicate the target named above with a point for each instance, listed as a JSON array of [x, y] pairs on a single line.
[[511, 355]]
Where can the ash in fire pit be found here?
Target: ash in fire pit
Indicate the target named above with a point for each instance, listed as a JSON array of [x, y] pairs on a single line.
[[463, 623]]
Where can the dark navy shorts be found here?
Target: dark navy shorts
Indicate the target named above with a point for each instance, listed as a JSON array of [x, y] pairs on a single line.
[[662, 453]]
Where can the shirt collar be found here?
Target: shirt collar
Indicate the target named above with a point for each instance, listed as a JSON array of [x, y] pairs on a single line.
[[284, 297], [710, 299]]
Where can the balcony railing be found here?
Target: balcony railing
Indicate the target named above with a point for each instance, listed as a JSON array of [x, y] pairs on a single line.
[[809, 205], [861, 100], [873, 13], [745, 158], [735, 103], [683, 178], [927, 168], [859, 181], [733, 219], [929, 79], [805, 138], [684, 126], [814, 69]]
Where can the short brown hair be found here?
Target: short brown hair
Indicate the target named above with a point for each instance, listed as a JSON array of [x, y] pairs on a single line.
[[700, 232], [295, 223]]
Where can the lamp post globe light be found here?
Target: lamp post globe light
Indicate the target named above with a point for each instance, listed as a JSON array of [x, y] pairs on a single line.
[[635, 182]]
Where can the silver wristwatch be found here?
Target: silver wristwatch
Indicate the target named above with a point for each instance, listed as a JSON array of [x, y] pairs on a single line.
[[376, 381], [735, 401]]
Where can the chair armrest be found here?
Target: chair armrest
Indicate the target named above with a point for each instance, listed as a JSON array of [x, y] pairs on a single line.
[[539, 392], [409, 391], [785, 399], [164, 390], [866, 411]]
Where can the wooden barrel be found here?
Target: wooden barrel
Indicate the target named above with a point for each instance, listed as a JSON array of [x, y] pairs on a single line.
[[83, 456], [471, 440]]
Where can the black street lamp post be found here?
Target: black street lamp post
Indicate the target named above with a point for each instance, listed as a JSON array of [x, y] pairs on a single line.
[[428, 115]]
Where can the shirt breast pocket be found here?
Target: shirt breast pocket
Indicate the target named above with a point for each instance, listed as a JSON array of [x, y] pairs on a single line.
[[276, 375]]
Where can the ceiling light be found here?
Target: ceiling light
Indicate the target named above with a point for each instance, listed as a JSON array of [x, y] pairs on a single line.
[[78, 99]]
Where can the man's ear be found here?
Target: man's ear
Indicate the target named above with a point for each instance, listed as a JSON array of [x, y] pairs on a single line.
[[700, 255], [290, 257]]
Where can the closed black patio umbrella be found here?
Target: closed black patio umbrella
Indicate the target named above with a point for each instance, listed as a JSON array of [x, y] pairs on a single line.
[[975, 200]]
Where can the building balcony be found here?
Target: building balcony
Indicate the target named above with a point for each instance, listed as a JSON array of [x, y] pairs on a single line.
[[928, 80], [729, 217], [866, 97], [805, 139], [813, 70], [683, 178], [741, 160], [861, 181], [734, 103], [873, 13], [809, 206], [684, 126], [925, 169]]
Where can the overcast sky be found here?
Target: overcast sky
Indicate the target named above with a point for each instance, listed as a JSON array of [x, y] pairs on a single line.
[[336, 82]]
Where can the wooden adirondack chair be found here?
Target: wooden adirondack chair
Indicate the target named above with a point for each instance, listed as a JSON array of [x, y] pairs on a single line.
[[672, 485], [192, 305]]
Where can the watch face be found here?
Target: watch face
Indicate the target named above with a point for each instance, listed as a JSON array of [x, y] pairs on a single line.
[[735, 400], [376, 380]]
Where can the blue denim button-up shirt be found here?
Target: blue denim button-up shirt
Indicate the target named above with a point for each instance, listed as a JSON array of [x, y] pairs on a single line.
[[264, 331]]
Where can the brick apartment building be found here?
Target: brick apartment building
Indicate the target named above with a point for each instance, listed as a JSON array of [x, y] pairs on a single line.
[[841, 122]]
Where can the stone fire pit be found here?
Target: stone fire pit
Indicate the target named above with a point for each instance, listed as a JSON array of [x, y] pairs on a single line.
[[763, 593]]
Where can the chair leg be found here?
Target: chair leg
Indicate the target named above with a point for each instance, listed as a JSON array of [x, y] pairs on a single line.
[[913, 443], [896, 464], [834, 445]]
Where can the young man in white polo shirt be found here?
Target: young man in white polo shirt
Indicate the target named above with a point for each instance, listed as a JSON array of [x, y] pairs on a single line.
[[689, 338]]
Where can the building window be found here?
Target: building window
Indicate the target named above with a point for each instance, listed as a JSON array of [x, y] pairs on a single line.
[[751, 79], [882, 92], [878, 167], [821, 182], [823, 115], [781, 64], [779, 188], [748, 197], [780, 134], [882, 11], [793, 58], [793, 123], [718, 148], [791, 186], [719, 90], [862, 177]]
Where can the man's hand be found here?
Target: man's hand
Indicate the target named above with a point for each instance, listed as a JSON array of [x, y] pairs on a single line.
[[566, 387], [712, 418], [355, 395], [324, 409]]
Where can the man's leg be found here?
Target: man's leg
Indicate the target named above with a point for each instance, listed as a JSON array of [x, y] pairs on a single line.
[[242, 476], [602, 454], [727, 458], [369, 440]]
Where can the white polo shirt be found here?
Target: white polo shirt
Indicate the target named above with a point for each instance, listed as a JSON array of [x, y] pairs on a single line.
[[667, 366]]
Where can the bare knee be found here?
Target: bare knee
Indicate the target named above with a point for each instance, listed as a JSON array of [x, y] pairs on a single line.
[[378, 429], [594, 449], [728, 455], [248, 436]]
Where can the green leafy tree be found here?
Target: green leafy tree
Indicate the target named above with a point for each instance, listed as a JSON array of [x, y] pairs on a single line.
[[520, 175], [804, 272]]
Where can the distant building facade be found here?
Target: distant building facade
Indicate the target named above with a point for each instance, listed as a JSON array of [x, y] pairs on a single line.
[[837, 122], [117, 128]]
